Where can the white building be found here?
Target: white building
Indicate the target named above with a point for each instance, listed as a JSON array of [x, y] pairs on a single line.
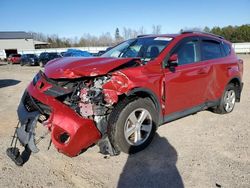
[[12, 42]]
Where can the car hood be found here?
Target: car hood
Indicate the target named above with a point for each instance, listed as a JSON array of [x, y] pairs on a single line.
[[72, 67]]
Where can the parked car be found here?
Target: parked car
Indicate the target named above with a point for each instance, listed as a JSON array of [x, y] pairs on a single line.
[[47, 56], [29, 59], [76, 53], [118, 100], [62, 54], [14, 58], [100, 52]]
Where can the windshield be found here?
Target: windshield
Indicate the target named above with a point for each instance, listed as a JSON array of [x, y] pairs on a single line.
[[144, 48]]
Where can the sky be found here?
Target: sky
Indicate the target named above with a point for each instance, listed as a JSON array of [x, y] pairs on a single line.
[[73, 18]]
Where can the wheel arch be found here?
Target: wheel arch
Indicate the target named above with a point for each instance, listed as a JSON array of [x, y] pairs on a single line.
[[145, 92], [238, 84]]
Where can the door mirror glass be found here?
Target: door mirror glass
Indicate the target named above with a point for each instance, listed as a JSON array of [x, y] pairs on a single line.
[[173, 60]]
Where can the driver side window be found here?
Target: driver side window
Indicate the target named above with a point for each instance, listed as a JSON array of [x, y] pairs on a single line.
[[188, 52]]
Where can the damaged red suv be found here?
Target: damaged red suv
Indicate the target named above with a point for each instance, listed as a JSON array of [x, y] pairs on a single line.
[[118, 100]]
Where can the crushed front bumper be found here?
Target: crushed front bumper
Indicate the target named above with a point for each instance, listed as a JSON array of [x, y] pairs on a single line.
[[26, 132], [70, 133]]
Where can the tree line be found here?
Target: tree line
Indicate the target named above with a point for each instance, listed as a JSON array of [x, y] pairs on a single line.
[[231, 33], [105, 39]]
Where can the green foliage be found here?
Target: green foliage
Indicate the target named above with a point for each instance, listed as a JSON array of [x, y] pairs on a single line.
[[233, 33]]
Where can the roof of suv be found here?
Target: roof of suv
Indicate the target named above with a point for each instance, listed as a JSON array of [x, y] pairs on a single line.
[[188, 33]]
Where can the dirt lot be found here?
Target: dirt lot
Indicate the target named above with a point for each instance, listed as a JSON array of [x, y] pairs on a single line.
[[202, 150]]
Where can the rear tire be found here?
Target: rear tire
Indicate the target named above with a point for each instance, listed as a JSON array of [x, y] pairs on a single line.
[[132, 125], [227, 101]]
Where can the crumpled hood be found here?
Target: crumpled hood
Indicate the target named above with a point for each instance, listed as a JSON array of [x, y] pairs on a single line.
[[75, 67]]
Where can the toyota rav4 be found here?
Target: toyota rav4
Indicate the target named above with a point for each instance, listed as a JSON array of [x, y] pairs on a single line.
[[118, 100]]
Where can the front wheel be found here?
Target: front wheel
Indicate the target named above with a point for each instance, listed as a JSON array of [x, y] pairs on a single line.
[[227, 101], [132, 125]]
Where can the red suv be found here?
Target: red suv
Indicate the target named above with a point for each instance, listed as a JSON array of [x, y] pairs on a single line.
[[118, 100]]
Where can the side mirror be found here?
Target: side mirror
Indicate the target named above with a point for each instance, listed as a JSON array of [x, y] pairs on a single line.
[[173, 60]]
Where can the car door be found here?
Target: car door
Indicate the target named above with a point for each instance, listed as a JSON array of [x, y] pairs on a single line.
[[185, 86], [212, 53]]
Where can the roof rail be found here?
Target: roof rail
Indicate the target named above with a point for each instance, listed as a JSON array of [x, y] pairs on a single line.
[[138, 36], [202, 32]]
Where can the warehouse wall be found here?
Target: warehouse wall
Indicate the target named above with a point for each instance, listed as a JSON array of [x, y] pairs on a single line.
[[19, 44]]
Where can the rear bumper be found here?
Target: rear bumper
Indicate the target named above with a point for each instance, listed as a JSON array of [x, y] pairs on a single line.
[[70, 133]]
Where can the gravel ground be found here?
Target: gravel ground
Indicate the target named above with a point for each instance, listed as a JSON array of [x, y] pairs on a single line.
[[201, 150]]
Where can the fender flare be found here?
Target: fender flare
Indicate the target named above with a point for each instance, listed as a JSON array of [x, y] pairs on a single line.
[[239, 86], [235, 78], [152, 96]]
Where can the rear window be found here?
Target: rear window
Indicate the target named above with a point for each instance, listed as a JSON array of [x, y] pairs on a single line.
[[211, 50]]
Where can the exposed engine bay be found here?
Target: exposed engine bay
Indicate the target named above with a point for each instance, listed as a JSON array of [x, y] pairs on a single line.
[[88, 100]]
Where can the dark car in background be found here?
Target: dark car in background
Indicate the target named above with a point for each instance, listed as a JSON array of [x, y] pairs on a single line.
[[47, 56], [99, 53], [29, 59], [14, 58], [62, 53]]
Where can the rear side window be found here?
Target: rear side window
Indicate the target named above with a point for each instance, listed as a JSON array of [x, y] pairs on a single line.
[[227, 49], [211, 50]]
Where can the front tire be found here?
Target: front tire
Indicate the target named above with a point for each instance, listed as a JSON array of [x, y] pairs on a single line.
[[132, 125], [227, 101]]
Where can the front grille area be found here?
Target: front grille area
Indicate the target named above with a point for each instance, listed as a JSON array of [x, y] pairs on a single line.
[[28, 103], [31, 104]]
